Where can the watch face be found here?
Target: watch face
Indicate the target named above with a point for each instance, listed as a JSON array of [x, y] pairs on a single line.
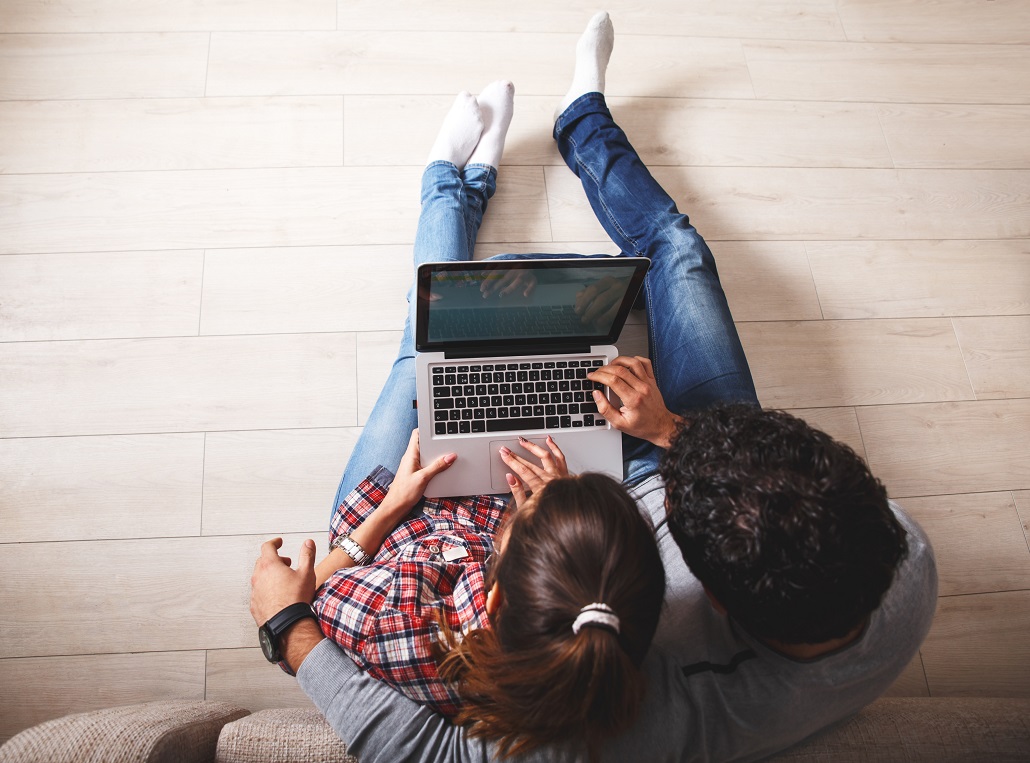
[[268, 646]]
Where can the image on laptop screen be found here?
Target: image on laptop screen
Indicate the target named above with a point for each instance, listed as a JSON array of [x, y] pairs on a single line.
[[511, 301]]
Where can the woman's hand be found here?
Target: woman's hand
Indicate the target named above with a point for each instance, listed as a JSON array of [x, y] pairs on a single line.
[[406, 490], [527, 477], [412, 478]]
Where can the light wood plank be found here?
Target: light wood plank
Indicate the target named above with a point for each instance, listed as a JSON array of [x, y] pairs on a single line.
[[245, 678], [333, 288], [749, 133], [977, 540], [519, 208], [1022, 501], [47, 66], [112, 596], [767, 280], [840, 423], [83, 683], [911, 279], [240, 208], [942, 448], [273, 482], [806, 19], [1002, 21], [889, 72], [170, 134], [960, 137], [820, 204], [80, 488], [169, 385], [832, 363], [79, 16], [997, 354], [665, 131], [100, 296], [384, 62], [911, 682], [978, 647]]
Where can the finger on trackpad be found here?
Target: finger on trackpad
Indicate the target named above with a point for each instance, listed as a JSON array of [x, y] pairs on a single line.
[[498, 468]]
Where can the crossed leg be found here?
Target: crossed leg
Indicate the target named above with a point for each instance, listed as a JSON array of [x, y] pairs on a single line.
[[695, 350]]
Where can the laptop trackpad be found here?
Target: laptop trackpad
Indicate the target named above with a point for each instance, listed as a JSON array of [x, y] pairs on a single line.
[[498, 468]]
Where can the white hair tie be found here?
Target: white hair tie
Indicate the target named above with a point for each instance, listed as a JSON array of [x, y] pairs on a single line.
[[596, 615]]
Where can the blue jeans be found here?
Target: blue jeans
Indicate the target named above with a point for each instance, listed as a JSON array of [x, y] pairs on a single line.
[[697, 356]]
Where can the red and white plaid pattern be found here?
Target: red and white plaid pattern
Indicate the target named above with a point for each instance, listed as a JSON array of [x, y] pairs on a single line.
[[384, 614]]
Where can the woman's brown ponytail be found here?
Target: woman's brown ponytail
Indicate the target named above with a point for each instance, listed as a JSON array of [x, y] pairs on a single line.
[[531, 680]]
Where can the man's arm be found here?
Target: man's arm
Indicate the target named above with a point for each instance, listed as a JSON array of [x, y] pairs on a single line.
[[643, 413], [376, 722]]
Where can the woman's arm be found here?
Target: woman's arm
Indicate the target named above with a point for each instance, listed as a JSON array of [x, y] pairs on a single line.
[[369, 535], [405, 491]]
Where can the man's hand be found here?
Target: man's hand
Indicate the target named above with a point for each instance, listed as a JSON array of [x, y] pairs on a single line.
[[643, 413], [412, 478], [274, 586], [527, 476], [598, 304], [517, 282]]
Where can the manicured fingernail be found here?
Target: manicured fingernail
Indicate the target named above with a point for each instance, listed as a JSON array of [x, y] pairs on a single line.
[[510, 478], [505, 451], [522, 439], [450, 458]]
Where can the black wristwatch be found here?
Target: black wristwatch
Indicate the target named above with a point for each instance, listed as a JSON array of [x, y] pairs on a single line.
[[270, 633]]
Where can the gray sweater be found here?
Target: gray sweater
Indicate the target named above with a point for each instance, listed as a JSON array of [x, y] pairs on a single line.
[[714, 693]]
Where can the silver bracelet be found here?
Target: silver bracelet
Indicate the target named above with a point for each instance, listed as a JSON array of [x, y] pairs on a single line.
[[352, 549]]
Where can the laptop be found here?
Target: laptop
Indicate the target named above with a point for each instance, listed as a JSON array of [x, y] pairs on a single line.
[[502, 352]]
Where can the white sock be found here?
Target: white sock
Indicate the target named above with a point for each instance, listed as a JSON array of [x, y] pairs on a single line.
[[459, 132], [593, 52], [496, 105]]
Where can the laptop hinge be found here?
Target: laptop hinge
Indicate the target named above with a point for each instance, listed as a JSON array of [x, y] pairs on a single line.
[[516, 349]]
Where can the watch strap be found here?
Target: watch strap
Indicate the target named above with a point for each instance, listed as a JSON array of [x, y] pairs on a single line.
[[351, 548], [272, 631], [278, 623]]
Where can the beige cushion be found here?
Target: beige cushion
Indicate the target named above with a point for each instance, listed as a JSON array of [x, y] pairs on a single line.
[[152, 732], [938, 729], [282, 736]]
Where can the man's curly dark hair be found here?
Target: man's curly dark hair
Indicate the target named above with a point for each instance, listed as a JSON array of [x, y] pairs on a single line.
[[784, 526]]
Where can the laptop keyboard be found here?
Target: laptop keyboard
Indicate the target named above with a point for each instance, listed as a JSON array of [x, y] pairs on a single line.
[[506, 397]]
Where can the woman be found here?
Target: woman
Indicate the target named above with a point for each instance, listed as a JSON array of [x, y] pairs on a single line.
[[537, 642]]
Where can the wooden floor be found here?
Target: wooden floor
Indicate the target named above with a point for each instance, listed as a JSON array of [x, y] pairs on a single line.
[[206, 215]]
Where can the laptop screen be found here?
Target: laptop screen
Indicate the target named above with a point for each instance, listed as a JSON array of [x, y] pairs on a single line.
[[550, 302]]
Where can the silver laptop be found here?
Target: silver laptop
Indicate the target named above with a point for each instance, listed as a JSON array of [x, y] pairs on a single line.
[[504, 347]]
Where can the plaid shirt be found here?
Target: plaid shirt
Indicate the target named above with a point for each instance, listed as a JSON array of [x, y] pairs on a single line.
[[384, 614]]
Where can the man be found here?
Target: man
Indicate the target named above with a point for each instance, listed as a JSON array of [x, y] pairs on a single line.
[[795, 593]]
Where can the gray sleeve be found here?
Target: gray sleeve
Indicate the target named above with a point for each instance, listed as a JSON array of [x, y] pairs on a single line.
[[376, 722], [380, 724]]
